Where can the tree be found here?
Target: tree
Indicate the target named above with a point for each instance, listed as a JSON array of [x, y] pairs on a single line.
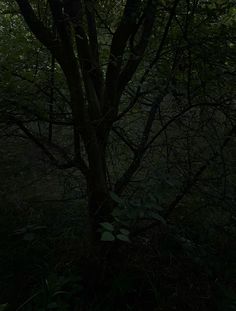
[[139, 97], [82, 37], [95, 97]]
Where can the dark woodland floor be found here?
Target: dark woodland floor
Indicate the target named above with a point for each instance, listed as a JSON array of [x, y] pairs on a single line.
[[42, 242]]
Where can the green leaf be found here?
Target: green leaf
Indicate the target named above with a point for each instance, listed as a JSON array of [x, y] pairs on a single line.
[[108, 226], [124, 231], [52, 305], [3, 306], [116, 212], [116, 198], [107, 236], [123, 237], [157, 216], [29, 237]]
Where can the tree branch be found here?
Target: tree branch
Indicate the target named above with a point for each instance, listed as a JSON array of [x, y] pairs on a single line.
[[173, 205], [124, 30], [42, 33], [137, 52]]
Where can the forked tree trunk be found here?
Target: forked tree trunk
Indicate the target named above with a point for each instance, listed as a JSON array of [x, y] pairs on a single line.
[[95, 99], [100, 203]]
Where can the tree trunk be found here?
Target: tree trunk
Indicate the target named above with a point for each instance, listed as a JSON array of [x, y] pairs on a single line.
[[100, 204]]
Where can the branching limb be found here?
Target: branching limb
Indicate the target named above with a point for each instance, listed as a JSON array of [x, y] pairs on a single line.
[[42, 33]]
